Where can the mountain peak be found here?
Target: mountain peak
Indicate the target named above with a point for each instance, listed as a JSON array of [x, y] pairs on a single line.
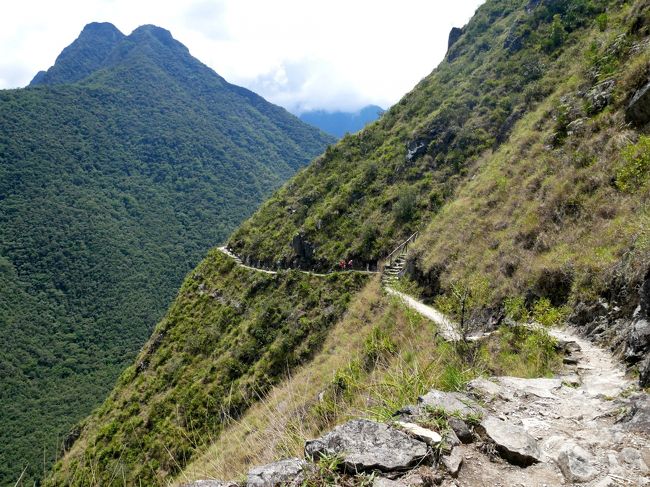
[[101, 29], [85, 55], [101, 45], [151, 33]]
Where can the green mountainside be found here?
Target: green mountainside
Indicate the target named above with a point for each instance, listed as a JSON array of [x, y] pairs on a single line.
[[119, 168], [526, 175], [517, 137]]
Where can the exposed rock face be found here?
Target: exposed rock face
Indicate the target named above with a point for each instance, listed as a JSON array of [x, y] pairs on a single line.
[[450, 402], [600, 95], [289, 472], [576, 463], [454, 35], [638, 343], [366, 446], [415, 149], [512, 442], [487, 390], [638, 110], [514, 41], [384, 482], [638, 418], [303, 249]]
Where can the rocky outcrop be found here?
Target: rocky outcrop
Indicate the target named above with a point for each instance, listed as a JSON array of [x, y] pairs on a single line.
[[454, 35], [303, 248], [366, 446], [638, 110], [638, 343], [581, 427], [416, 149], [289, 472], [512, 442], [600, 96]]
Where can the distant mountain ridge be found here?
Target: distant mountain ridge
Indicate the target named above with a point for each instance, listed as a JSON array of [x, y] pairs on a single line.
[[120, 166], [339, 123]]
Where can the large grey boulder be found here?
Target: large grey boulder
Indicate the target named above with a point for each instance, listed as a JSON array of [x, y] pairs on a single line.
[[512, 442], [289, 472], [451, 402], [576, 464], [367, 445], [638, 110]]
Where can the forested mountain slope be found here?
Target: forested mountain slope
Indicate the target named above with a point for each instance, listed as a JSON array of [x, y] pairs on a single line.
[[119, 168], [523, 162]]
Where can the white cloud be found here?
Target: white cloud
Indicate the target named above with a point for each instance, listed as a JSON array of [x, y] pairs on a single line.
[[302, 54]]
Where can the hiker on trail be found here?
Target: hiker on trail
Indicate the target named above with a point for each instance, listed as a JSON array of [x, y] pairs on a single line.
[[342, 264], [350, 264]]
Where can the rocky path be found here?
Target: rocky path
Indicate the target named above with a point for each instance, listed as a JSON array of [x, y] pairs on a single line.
[[446, 327], [590, 425]]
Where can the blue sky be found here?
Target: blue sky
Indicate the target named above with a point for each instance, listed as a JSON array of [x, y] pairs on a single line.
[[301, 54]]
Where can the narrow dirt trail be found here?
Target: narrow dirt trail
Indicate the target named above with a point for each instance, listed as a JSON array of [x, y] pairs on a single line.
[[445, 326], [240, 263]]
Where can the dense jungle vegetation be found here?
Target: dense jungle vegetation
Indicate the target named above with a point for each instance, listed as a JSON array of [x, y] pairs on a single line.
[[119, 168]]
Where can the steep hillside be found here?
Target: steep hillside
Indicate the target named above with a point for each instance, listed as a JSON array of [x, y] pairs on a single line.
[[515, 159], [339, 123], [111, 189], [231, 334], [528, 141]]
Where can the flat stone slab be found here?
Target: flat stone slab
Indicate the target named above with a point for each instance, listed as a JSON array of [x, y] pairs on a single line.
[[538, 387], [367, 445], [512, 442], [210, 483], [488, 390], [289, 472], [430, 437], [384, 482], [451, 402]]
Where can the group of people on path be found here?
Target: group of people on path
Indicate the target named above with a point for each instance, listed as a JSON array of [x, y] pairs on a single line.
[[343, 265]]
